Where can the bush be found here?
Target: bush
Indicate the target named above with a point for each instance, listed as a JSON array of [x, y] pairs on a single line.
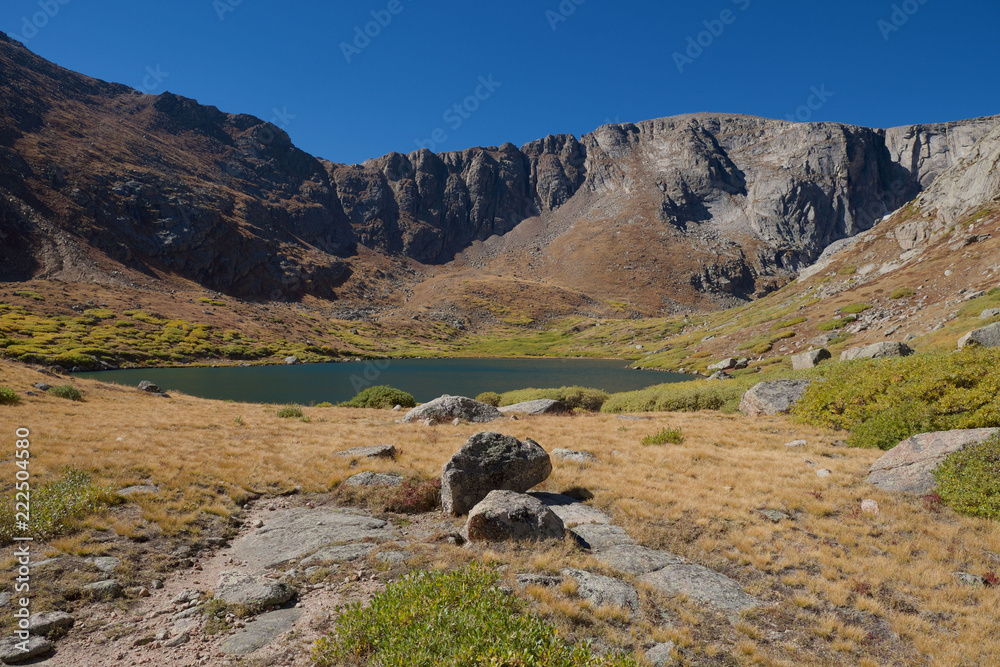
[[847, 270], [324, 404], [8, 396], [855, 308], [453, 619], [54, 504], [381, 397], [902, 293], [66, 391], [575, 398], [969, 480], [784, 324], [883, 401], [673, 436], [489, 398], [290, 412]]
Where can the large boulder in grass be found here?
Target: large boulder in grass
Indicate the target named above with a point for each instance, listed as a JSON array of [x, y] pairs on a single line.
[[877, 351], [541, 406], [909, 466], [507, 515], [773, 398], [491, 462], [449, 408], [985, 337], [810, 359]]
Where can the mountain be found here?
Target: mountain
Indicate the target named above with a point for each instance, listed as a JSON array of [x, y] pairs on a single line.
[[101, 183]]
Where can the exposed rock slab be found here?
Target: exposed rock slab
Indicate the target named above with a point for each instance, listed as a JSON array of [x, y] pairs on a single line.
[[447, 408], [341, 553], [570, 510], [369, 478], [604, 591], [369, 452], [773, 398], [600, 536], [661, 655], [636, 559], [491, 462], [909, 466], [810, 359], [261, 631], [507, 515], [702, 585], [240, 587], [104, 590], [572, 455], [45, 623], [295, 533], [541, 406]]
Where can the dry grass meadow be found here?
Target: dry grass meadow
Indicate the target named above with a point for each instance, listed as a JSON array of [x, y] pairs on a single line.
[[828, 574]]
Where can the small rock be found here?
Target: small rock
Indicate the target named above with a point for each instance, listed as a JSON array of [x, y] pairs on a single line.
[[369, 478], [104, 590], [429, 422], [823, 472], [877, 351], [45, 623], [105, 564], [162, 635], [291, 361], [370, 452], [661, 655], [148, 387], [985, 315], [12, 654], [41, 386], [796, 443], [456, 421], [141, 488], [530, 579], [238, 587], [259, 523], [869, 506], [156, 584], [724, 365], [969, 579], [397, 408], [774, 515], [177, 641], [601, 590], [810, 359], [571, 455], [504, 515], [772, 398]]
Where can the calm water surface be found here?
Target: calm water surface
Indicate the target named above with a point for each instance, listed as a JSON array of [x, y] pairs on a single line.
[[426, 379]]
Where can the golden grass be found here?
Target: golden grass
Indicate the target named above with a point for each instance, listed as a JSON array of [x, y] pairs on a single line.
[[698, 499]]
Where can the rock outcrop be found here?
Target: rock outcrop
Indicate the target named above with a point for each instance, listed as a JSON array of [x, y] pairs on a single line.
[[772, 398], [448, 408], [541, 406], [877, 351], [985, 337], [491, 462], [810, 359], [909, 466]]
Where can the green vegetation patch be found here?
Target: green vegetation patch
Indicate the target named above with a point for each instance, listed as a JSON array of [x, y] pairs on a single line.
[[489, 398], [381, 397], [28, 294], [290, 412], [67, 391], [55, 504], [8, 396], [784, 324], [838, 323], [575, 398], [672, 436], [453, 619], [884, 401], [855, 308], [847, 270], [969, 480], [901, 293]]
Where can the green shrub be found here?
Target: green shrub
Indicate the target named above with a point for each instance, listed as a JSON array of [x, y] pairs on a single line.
[[901, 293], [575, 398], [883, 401], [855, 308], [324, 404], [55, 503], [489, 398], [784, 324], [8, 396], [27, 294], [847, 270], [290, 412], [673, 436], [454, 619], [969, 480], [66, 391], [381, 397], [837, 324]]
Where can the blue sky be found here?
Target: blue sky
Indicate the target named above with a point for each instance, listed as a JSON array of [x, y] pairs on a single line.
[[521, 70]]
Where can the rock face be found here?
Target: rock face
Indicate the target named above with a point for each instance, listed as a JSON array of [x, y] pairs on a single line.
[[542, 406], [985, 337], [909, 466], [237, 587], [489, 462], [265, 629], [772, 398], [810, 359], [877, 351], [447, 408], [603, 591], [701, 585], [507, 515], [972, 179]]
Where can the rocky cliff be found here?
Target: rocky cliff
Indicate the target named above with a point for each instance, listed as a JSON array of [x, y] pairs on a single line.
[[97, 179]]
